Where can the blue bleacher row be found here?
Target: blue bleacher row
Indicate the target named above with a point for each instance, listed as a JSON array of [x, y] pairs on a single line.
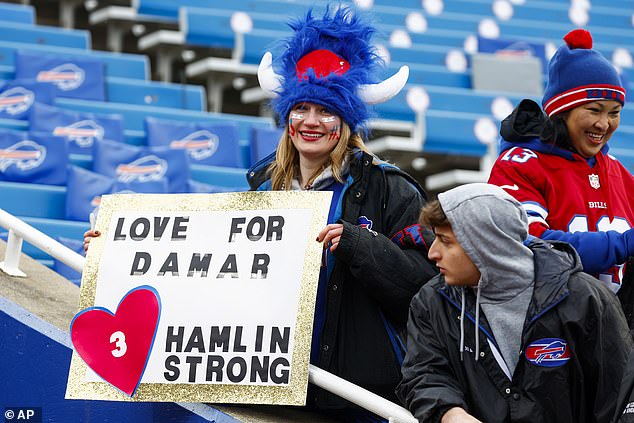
[[431, 72], [395, 13], [207, 23], [123, 96], [426, 58], [93, 140]]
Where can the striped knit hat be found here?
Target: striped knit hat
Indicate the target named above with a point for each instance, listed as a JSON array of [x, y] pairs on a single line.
[[577, 74]]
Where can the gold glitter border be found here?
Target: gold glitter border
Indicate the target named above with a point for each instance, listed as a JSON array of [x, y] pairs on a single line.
[[295, 392]]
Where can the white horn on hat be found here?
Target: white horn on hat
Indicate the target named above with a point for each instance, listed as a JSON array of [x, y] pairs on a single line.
[[383, 91], [270, 82]]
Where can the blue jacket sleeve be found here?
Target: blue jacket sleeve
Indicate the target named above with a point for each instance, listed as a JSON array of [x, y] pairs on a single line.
[[598, 250]]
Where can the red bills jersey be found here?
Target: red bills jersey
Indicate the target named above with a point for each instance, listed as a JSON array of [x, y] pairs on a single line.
[[563, 192]]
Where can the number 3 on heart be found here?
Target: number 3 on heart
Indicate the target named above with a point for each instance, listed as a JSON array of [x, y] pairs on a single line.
[[121, 347]]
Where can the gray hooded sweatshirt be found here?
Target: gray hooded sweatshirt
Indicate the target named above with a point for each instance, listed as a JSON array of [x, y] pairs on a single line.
[[491, 227]]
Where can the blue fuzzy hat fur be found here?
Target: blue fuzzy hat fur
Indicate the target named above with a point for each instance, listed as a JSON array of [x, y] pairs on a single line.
[[344, 34]]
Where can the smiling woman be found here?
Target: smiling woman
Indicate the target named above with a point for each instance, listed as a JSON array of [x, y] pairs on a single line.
[[315, 132], [590, 126], [556, 161], [375, 256]]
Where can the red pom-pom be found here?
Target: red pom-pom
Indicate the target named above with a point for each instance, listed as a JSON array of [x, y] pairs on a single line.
[[578, 38]]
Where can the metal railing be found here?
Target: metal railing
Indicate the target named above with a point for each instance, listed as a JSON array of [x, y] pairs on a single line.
[[19, 231]]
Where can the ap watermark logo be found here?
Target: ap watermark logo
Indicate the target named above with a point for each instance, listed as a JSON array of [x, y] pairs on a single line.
[[23, 414]]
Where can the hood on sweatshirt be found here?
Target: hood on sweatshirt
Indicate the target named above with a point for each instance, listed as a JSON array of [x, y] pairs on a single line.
[[491, 226]]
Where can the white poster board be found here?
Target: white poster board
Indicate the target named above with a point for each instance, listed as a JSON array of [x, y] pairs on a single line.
[[235, 277]]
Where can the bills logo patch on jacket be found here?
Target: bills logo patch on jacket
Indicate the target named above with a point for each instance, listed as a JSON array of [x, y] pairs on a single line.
[[365, 223], [548, 352]]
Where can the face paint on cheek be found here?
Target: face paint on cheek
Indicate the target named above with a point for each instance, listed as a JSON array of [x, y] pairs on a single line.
[[334, 134], [291, 128]]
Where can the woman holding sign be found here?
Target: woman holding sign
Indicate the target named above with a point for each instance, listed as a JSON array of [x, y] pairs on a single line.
[[375, 256]]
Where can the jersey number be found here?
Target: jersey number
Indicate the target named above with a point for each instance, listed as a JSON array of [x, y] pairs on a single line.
[[620, 225], [580, 224], [518, 155]]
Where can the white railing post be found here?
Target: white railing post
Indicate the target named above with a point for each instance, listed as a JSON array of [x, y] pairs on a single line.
[[11, 263], [359, 396], [23, 230]]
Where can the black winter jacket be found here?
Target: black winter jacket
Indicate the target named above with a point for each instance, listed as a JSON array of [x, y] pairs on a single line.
[[625, 404], [575, 345], [375, 275]]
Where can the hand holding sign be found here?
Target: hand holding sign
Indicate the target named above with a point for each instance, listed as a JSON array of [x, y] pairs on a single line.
[[117, 346]]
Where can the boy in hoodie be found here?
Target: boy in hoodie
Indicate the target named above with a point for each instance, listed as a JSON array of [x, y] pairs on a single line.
[[512, 330], [556, 162]]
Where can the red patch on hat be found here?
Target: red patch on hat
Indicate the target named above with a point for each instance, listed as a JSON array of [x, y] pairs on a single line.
[[578, 38], [323, 63]]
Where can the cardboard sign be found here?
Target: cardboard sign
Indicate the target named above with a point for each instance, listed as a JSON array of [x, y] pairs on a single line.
[[199, 298]]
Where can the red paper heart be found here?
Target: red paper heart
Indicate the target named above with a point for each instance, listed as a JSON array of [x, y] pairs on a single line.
[[117, 346]]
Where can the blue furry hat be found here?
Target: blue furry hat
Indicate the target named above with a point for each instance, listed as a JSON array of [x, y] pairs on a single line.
[[328, 61]]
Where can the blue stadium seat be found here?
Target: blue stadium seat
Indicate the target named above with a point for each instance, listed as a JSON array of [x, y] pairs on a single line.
[[259, 41], [53, 228], [421, 54], [555, 31], [134, 115], [18, 13], [264, 141], [441, 37], [472, 7], [443, 98], [206, 143], [154, 93], [212, 27], [14, 124], [121, 64], [169, 9], [143, 92], [221, 176], [452, 133], [44, 35], [432, 75], [34, 200]]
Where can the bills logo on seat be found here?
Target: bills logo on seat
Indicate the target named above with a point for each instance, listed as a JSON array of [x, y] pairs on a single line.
[[84, 132], [24, 155], [148, 168], [548, 352], [66, 77], [199, 144], [16, 100], [364, 222]]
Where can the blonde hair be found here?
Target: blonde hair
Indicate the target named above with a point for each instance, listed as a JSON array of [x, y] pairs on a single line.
[[283, 169]]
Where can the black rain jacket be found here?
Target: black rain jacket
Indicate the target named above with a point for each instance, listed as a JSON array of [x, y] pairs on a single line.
[[567, 305], [375, 275]]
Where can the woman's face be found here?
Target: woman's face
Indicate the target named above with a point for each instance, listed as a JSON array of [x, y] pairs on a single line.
[[591, 125], [314, 130]]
